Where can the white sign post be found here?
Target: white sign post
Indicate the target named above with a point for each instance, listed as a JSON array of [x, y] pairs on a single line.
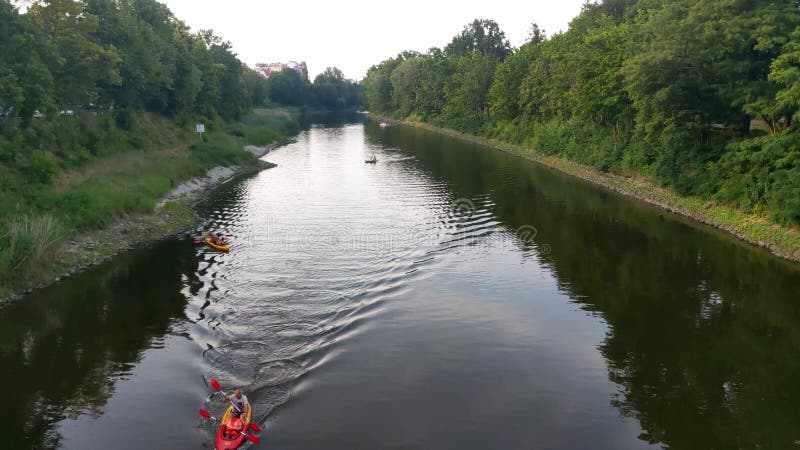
[[201, 128]]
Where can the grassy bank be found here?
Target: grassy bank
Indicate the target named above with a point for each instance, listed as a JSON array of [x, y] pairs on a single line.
[[756, 228], [70, 182]]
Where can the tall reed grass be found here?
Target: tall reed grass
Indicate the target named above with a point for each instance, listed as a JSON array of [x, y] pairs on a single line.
[[26, 242]]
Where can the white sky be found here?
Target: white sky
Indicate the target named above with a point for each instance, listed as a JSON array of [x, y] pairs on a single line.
[[355, 34]]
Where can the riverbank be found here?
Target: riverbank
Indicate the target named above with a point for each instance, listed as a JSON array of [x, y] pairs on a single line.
[[173, 214], [758, 230], [89, 213]]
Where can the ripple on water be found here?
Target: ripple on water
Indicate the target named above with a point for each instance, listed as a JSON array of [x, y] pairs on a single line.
[[316, 257]]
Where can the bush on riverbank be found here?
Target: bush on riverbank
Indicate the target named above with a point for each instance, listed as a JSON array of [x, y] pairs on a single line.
[[28, 241], [263, 126]]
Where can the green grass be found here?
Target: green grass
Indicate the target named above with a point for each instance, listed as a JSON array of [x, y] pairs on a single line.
[[28, 241], [282, 121], [58, 181]]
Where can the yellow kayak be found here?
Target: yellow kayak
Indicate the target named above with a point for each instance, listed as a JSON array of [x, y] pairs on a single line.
[[222, 248]]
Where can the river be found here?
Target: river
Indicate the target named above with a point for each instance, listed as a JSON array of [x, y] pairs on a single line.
[[449, 296]]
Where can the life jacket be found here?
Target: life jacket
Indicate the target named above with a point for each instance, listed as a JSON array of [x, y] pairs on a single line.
[[233, 427], [235, 423]]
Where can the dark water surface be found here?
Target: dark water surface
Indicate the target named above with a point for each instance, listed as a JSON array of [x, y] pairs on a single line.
[[448, 297]]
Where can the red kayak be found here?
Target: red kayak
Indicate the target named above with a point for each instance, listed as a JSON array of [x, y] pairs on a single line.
[[229, 439]]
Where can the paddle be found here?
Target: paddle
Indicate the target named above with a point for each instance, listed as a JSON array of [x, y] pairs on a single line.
[[208, 415], [249, 437], [218, 387]]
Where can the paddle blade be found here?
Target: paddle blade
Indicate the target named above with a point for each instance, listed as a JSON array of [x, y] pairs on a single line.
[[215, 384], [253, 439], [255, 427], [205, 413]]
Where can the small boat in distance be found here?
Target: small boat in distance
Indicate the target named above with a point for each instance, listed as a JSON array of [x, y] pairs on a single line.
[[384, 124], [372, 160]]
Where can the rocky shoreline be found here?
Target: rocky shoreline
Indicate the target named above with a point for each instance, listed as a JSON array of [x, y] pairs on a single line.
[[173, 214]]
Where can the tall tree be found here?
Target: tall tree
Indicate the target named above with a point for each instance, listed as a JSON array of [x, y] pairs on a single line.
[[26, 83], [785, 72], [505, 89], [481, 35], [288, 88], [599, 94], [85, 64], [466, 94]]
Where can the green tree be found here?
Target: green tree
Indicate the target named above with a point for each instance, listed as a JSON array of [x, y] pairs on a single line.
[[26, 83], [536, 34], [785, 72], [483, 36], [504, 92], [433, 74], [378, 86], [544, 93], [405, 85], [85, 64], [334, 92], [288, 88], [599, 89], [466, 93]]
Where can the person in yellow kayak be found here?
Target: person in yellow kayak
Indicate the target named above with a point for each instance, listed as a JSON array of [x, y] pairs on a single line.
[[238, 401], [216, 239]]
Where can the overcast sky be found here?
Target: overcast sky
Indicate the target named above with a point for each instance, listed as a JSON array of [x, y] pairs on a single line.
[[355, 34]]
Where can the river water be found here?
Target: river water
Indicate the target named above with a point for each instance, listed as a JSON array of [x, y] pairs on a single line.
[[450, 296]]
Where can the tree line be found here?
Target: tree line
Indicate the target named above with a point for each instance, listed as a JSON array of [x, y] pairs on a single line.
[[129, 54], [330, 90], [701, 96], [136, 55]]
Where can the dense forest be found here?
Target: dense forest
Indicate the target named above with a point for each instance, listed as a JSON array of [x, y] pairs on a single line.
[[700, 96], [330, 90], [62, 55]]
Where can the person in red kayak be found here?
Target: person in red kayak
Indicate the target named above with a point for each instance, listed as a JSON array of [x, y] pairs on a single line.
[[233, 426], [239, 402]]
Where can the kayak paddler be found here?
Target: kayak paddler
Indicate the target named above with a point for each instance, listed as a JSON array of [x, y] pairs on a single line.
[[233, 426], [216, 239], [239, 402]]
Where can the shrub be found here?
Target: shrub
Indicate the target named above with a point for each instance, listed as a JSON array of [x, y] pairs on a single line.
[[27, 241], [42, 166], [785, 196], [123, 119]]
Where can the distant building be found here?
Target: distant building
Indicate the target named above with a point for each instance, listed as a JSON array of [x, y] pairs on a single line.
[[268, 69]]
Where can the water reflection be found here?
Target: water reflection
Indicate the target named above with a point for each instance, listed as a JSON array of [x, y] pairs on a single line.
[[703, 332], [328, 119], [63, 349]]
